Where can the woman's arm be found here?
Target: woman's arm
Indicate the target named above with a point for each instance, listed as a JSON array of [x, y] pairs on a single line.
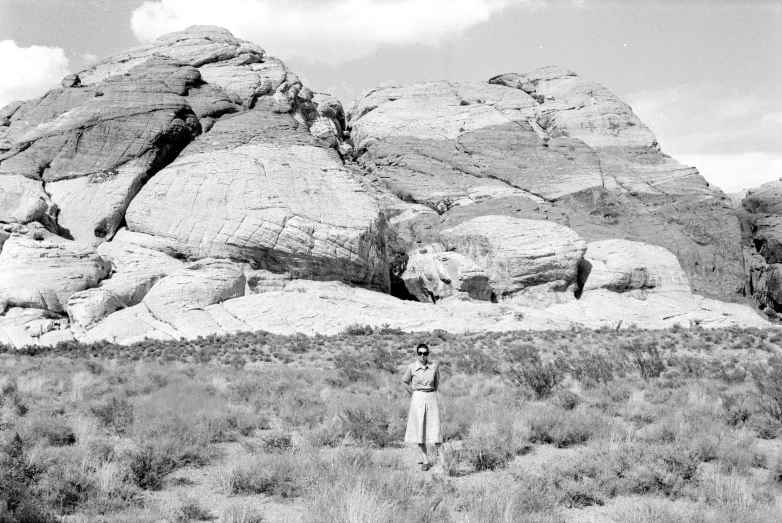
[[406, 379], [436, 376]]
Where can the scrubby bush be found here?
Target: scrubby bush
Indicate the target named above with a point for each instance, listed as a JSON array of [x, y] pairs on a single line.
[[645, 357], [562, 428], [769, 383], [528, 371], [274, 474], [115, 413]]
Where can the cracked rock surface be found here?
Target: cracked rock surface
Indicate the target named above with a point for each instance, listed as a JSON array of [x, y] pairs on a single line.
[[543, 145]]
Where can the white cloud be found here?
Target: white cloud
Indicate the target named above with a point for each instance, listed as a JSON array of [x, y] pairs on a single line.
[[735, 172], [89, 58], [29, 72], [330, 31], [712, 118], [731, 134]]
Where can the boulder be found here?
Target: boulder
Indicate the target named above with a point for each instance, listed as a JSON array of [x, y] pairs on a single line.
[[259, 188], [20, 327], [135, 270], [431, 276], [22, 200], [43, 274], [519, 255], [622, 266], [180, 299]]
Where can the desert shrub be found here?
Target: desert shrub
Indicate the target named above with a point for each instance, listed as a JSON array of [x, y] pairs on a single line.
[[645, 357], [19, 485], [455, 421], [241, 512], [769, 383], [191, 509], [590, 368], [372, 423], [531, 499], [149, 467], [527, 371], [765, 426], [566, 399], [562, 428], [54, 430], [656, 468], [736, 412], [280, 475], [490, 444], [473, 360], [737, 453], [115, 413], [356, 491], [775, 470], [277, 442], [359, 330]]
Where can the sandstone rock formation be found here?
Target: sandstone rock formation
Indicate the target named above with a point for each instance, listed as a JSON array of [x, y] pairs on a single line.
[[761, 220], [622, 266], [569, 149], [257, 188], [520, 256], [431, 275], [44, 273], [195, 186]]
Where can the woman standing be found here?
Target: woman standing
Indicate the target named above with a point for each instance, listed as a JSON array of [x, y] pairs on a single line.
[[421, 379]]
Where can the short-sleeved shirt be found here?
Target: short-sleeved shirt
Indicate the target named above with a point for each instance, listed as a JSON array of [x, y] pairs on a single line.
[[423, 378]]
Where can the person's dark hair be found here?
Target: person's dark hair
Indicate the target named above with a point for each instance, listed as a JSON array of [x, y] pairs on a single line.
[[424, 345]]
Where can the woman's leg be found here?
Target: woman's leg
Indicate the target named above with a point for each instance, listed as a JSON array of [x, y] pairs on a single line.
[[424, 456]]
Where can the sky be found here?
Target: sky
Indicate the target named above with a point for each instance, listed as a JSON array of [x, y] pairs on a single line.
[[705, 76]]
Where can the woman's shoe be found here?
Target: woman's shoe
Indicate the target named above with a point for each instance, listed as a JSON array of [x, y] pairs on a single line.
[[425, 466]]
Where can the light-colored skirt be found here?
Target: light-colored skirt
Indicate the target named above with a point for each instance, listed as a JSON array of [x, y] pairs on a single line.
[[423, 421]]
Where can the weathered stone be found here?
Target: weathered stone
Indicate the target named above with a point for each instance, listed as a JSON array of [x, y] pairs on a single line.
[[561, 140], [258, 188], [518, 254], [180, 299], [431, 276], [95, 146], [622, 265], [22, 200], [43, 274]]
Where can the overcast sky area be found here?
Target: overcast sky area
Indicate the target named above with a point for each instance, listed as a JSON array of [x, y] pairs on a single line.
[[705, 76]]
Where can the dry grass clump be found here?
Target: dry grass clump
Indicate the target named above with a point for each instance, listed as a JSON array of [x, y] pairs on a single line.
[[533, 499], [351, 486], [284, 475], [564, 428]]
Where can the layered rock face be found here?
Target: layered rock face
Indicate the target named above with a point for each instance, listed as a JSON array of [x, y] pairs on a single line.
[[194, 186], [544, 145], [760, 213]]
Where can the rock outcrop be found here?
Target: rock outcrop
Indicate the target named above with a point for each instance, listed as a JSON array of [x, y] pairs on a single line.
[[761, 220], [520, 256], [432, 274], [624, 266], [195, 186], [44, 273], [566, 148], [258, 188]]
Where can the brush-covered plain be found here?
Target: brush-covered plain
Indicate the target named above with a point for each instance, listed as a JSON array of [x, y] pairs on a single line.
[[626, 425]]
